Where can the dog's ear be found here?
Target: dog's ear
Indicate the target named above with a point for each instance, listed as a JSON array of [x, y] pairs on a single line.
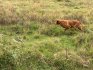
[[57, 22]]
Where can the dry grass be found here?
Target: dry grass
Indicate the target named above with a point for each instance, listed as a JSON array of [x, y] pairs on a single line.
[[34, 43], [43, 11]]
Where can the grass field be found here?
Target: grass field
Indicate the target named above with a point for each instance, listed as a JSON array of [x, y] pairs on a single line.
[[30, 39]]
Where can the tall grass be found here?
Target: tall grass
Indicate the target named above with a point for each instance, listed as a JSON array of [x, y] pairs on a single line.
[[35, 42], [43, 11]]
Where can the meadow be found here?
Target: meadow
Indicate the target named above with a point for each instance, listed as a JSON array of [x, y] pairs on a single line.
[[30, 39]]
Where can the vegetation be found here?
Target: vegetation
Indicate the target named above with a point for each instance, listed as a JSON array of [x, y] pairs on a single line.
[[30, 39]]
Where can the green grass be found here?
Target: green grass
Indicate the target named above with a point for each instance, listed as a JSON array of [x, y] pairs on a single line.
[[30, 39], [36, 50]]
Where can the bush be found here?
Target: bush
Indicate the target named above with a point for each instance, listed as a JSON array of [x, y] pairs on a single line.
[[32, 60], [64, 0], [7, 62], [76, 16], [66, 60], [84, 40], [51, 30]]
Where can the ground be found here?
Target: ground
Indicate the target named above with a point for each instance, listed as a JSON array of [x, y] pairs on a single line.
[[30, 39]]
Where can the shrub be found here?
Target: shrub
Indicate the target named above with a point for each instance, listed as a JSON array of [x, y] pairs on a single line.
[[32, 60], [67, 61], [50, 30], [7, 62], [64, 0], [76, 16]]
